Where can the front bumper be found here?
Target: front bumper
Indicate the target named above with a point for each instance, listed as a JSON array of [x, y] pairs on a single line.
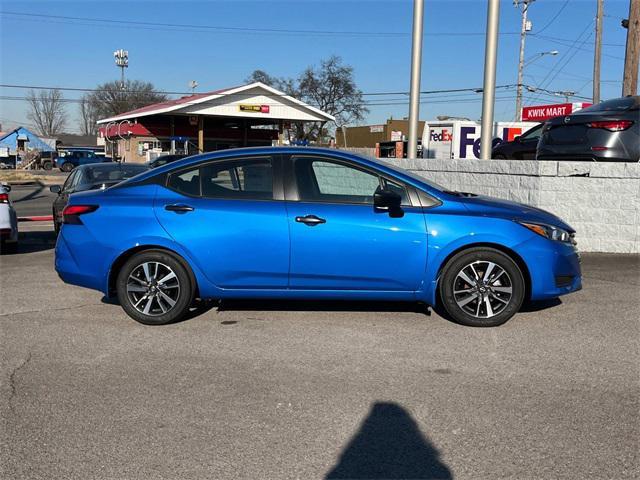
[[554, 267]]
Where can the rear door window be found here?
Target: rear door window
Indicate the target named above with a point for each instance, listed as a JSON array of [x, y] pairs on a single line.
[[186, 182], [246, 179]]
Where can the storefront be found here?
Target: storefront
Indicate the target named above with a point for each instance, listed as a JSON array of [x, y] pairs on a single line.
[[245, 116]]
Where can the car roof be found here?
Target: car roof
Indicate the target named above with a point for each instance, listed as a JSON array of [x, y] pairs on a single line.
[[257, 151]]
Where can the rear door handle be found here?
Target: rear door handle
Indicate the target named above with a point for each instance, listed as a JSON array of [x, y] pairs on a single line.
[[179, 208], [310, 220]]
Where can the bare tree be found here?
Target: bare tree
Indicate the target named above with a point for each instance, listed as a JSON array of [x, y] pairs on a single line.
[[47, 112], [329, 87], [110, 99], [88, 117]]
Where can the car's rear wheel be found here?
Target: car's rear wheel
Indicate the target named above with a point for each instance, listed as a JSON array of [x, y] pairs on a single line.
[[67, 167], [47, 165], [154, 288], [482, 287]]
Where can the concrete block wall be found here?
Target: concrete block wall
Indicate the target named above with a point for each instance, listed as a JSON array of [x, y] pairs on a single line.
[[600, 200]]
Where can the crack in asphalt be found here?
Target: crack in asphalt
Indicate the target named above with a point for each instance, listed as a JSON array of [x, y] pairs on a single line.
[[52, 309], [12, 380]]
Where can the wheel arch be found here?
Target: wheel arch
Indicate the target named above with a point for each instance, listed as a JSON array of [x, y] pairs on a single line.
[[119, 262], [526, 275]]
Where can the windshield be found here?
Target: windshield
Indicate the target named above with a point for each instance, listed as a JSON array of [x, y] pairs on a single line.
[[410, 174], [615, 105]]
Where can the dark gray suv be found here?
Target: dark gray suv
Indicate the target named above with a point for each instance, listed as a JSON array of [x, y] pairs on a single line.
[[606, 132]]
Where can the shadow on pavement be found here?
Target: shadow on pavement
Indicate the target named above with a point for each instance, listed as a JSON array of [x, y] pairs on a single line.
[[30, 242], [322, 305], [389, 445], [38, 187], [540, 305]]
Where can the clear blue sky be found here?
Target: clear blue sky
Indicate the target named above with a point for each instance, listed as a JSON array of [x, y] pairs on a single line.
[[74, 53]]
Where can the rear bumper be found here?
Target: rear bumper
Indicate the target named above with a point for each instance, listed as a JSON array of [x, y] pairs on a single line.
[[68, 270]]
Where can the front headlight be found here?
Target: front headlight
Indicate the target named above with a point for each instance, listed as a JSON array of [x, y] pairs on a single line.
[[549, 231]]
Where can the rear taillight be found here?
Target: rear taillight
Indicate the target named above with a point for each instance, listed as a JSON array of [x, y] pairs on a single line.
[[611, 125], [71, 213], [4, 198]]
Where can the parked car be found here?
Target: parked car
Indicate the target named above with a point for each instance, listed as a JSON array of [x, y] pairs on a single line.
[[91, 177], [520, 148], [606, 132], [69, 159], [8, 221], [309, 223], [163, 160]]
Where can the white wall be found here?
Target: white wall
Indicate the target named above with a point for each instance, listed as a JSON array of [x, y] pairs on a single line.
[[600, 200]]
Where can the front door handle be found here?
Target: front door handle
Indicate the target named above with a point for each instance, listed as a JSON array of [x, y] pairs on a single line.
[[179, 208], [310, 220]]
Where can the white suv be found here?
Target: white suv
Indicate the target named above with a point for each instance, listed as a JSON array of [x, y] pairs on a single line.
[[8, 221]]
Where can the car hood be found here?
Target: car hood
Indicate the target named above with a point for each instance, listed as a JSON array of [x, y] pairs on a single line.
[[497, 207]]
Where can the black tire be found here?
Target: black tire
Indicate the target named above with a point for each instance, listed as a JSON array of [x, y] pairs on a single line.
[[156, 314], [67, 167], [498, 156], [47, 165], [496, 297]]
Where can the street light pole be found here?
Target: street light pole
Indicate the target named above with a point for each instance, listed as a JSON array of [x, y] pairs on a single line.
[[489, 85], [122, 61], [416, 66], [523, 35]]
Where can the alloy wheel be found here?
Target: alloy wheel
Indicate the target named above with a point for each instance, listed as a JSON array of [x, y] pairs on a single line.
[[482, 289], [153, 288]]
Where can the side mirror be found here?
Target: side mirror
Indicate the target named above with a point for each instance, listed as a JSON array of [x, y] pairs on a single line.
[[386, 200], [55, 189]]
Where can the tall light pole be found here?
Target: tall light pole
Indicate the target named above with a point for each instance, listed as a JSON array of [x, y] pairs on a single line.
[[416, 66], [122, 62], [597, 53], [524, 28], [489, 85]]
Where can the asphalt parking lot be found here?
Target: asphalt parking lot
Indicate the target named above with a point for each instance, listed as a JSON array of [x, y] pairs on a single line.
[[316, 390]]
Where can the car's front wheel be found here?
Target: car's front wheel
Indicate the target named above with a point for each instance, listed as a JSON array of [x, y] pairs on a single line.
[[154, 288], [482, 287]]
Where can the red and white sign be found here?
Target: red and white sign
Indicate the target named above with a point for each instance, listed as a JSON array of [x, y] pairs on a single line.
[[540, 113]]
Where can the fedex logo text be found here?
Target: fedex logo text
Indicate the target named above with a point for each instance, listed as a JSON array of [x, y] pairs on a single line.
[[443, 136]]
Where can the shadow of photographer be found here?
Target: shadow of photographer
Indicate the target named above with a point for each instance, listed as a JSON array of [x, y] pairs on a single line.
[[389, 445]]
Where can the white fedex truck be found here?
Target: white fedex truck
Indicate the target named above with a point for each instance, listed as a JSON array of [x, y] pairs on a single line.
[[461, 138]]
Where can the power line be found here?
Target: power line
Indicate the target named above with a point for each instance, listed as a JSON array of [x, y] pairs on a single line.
[[550, 22], [558, 39], [230, 30], [272, 95], [545, 81]]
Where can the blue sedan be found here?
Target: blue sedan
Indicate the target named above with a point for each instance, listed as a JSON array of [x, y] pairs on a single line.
[[310, 223]]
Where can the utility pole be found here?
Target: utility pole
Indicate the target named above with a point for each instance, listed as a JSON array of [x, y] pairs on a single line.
[[632, 53], [416, 66], [489, 85], [524, 28], [598, 53]]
